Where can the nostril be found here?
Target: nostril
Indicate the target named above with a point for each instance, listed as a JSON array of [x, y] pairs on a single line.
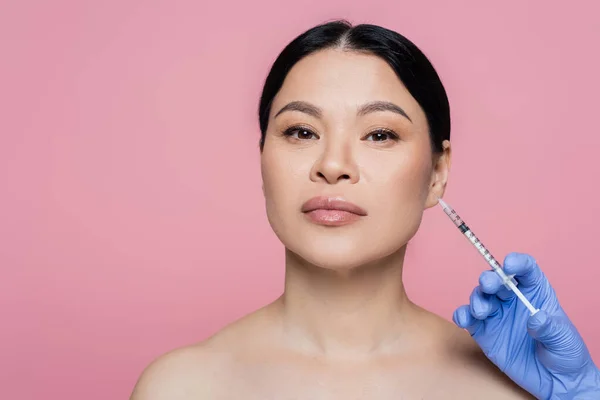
[[331, 178]]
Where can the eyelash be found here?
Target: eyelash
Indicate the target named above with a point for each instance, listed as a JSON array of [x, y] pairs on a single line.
[[392, 135]]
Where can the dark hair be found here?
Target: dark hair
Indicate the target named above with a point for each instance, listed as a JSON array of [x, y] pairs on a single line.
[[411, 66]]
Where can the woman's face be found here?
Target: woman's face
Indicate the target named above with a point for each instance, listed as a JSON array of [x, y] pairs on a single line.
[[344, 129]]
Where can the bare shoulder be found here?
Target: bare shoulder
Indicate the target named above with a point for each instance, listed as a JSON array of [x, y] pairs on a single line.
[[474, 372], [180, 374], [201, 370]]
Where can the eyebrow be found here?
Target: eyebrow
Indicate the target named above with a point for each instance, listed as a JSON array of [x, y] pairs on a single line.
[[371, 107]]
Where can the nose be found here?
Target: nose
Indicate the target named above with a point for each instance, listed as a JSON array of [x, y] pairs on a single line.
[[336, 164]]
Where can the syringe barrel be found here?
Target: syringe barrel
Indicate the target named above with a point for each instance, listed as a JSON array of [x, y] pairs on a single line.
[[487, 255]]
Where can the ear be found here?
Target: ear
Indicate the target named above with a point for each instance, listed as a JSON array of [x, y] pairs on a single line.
[[439, 175]]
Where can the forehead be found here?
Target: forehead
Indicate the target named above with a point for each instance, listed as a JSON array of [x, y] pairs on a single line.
[[335, 78]]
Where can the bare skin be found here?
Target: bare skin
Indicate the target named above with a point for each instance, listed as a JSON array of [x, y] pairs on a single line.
[[250, 360], [344, 327]]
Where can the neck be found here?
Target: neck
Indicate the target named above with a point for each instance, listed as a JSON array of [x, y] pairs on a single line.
[[352, 312]]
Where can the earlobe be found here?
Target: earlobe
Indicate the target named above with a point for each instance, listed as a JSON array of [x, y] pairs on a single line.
[[439, 176], [435, 192]]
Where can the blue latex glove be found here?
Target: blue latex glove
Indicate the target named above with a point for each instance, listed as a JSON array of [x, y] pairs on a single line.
[[543, 353]]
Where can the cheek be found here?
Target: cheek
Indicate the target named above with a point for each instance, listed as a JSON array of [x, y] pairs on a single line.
[[269, 178], [280, 183], [400, 179], [270, 190], [285, 171], [412, 182], [401, 193]]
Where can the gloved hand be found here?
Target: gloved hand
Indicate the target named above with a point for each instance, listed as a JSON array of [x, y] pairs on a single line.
[[543, 353]]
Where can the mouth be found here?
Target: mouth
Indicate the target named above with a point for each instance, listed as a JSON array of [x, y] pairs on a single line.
[[332, 211]]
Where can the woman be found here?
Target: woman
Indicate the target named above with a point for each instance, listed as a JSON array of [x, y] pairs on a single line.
[[355, 146]]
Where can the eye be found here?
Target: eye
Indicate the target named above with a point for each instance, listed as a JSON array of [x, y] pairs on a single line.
[[300, 133], [382, 135]]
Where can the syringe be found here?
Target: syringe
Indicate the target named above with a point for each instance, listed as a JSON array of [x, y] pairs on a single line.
[[508, 281]]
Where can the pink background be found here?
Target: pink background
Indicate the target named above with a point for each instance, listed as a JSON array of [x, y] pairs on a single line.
[[132, 218]]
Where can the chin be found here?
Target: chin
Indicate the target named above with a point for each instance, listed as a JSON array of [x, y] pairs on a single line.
[[339, 255]]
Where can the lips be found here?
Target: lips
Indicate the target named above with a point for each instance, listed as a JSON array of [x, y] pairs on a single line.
[[332, 211]]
